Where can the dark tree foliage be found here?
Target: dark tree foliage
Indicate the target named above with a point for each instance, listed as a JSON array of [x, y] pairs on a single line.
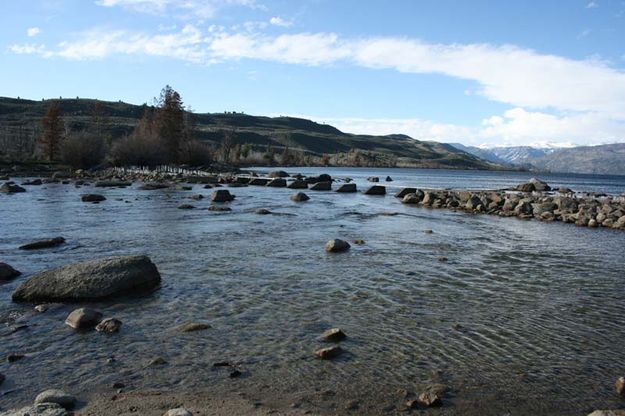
[[170, 116], [53, 130]]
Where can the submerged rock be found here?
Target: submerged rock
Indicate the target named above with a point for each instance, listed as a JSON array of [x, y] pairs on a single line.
[[299, 197], [222, 195], [219, 209], [334, 335], [193, 326], [95, 279], [263, 211], [34, 182], [51, 242], [186, 206], [109, 325], [347, 188], [337, 246], [7, 272], [259, 181], [277, 183], [83, 318], [112, 184], [328, 353], [373, 179], [153, 186], [56, 396], [92, 198]]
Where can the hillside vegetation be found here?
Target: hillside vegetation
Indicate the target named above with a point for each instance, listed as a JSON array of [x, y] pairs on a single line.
[[312, 143]]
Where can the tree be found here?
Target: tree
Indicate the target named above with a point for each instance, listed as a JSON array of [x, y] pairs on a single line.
[[286, 158], [245, 150], [171, 122], [53, 129], [269, 155], [226, 145]]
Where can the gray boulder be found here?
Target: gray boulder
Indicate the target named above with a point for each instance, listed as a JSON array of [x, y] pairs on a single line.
[[259, 181], [540, 186], [277, 183], [298, 184], [299, 197], [7, 272], [95, 279], [109, 325], [278, 174], [11, 188], [92, 198], [337, 246], [405, 191], [83, 318], [56, 396]]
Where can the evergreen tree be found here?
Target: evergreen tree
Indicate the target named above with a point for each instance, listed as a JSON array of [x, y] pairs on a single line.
[[171, 122]]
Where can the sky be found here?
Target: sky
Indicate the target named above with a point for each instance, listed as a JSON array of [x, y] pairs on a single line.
[[483, 73]]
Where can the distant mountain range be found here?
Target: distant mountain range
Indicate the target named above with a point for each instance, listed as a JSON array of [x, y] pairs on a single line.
[[607, 159]]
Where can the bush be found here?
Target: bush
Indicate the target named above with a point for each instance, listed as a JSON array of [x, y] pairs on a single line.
[[196, 153], [83, 150], [139, 150]]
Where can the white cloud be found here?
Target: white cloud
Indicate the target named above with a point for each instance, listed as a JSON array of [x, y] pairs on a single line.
[[201, 9], [553, 98], [592, 5], [278, 21], [33, 31]]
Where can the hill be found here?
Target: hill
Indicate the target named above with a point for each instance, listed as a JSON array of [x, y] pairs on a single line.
[[117, 119]]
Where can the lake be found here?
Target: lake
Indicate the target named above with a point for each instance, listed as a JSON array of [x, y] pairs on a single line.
[[525, 317]]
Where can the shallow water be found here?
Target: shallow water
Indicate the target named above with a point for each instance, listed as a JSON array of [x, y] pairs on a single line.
[[524, 317]]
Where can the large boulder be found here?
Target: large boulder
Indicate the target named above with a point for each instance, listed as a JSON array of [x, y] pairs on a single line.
[[347, 187], [321, 178], [299, 197], [278, 174], [95, 279], [540, 186], [321, 186], [277, 183], [526, 187], [376, 190], [7, 272], [56, 396], [405, 191], [337, 246], [298, 184], [259, 181], [222, 195]]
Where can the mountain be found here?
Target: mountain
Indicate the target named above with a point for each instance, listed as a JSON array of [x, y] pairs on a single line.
[[117, 119], [607, 159], [515, 155]]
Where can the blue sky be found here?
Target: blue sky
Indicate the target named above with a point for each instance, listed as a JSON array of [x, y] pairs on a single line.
[[476, 72]]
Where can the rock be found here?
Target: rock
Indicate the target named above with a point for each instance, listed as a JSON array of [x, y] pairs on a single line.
[[221, 195], [34, 182], [540, 186], [259, 181], [405, 191], [186, 206], [262, 211], [540, 208], [92, 198], [565, 191], [334, 335], [376, 190], [298, 184], [373, 179], [56, 396], [277, 183], [278, 174], [321, 186], [51, 242], [526, 187], [620, 223], [83, 318], [11, 188], [321, 178], [619, 386], [157, 362], [193, 326], [95, 279], [347, 188], [428, 231], [197, 197], [153, 186], [299, 197], [218, 208], [41, 409], [109, 325], [608, 413], [359, 241], [389, 179], [180, 411], [337, 246], [41, 308], [329, 352], [473, 202], [7, 272], [411, 199], [430, 399], [112, 184]]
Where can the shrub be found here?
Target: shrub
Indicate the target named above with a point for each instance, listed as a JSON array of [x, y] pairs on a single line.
[[196, 153], [83, 150], [139, 150]]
